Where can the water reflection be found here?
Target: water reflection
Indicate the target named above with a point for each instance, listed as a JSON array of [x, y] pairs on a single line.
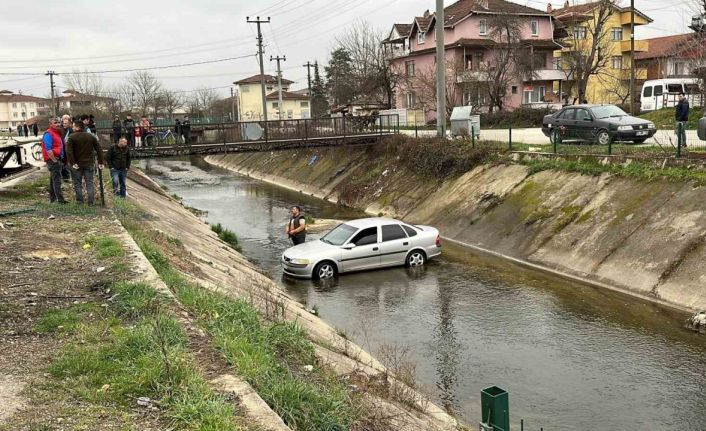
[[571, 356]]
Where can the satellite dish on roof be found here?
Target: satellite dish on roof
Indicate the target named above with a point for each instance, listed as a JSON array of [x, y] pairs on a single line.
[[252, 131]]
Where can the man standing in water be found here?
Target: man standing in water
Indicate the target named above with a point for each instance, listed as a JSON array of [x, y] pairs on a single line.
[[296, 228]]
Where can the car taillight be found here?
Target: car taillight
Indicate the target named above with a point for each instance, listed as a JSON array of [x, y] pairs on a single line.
[[438, 241]]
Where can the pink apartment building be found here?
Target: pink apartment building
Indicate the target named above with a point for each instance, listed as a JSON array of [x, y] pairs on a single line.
[[475, 46]]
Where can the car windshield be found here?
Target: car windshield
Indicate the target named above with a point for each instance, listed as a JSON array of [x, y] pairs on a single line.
[[608, 111], [339, 234]]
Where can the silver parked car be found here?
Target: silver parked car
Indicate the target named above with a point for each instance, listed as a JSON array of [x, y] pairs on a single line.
[[362, 244]]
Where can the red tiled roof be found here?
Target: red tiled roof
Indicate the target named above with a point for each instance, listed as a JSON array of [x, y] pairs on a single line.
[[403, 29], [423, 22], [286, 95], [74, 95], [6, 96], [456, 12], [666, 46], [269, 79]]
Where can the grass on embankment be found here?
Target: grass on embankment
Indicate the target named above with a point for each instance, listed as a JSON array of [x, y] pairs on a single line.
[[664, 118], [271, 356], [226, 235], [635, 170], [134, 347]]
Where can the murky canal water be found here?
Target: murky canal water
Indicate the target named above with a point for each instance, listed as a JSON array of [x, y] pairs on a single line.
[[571, 357]]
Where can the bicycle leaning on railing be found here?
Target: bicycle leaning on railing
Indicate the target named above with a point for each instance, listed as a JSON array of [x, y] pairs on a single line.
[[158, 138]]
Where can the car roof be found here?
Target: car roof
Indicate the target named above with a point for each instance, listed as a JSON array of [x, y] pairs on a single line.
[[370, 222], [588, 105]]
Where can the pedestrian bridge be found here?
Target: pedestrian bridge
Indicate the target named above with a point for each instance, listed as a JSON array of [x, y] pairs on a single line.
[[213, 138]]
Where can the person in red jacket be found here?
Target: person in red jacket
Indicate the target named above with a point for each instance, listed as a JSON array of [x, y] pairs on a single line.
[[53, 152]]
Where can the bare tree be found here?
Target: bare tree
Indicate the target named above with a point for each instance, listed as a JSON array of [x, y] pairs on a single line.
[[172, 100], [201, 101], [371, 72], [84, 82], [505, 60], [146, 88], [589, 48], [423, 87]]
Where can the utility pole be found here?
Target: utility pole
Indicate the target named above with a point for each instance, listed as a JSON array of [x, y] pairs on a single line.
[[54, 108], [632, 57], [308, 66], [279, 80], [440, 72], [260, 52], [232, 105]]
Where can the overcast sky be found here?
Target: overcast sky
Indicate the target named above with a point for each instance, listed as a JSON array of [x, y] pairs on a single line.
[[107, 35]]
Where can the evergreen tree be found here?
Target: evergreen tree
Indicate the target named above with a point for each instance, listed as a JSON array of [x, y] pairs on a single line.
[[319, 104], [339, 78]]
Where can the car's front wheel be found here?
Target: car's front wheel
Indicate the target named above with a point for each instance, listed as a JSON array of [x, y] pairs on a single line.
[[416, 258], [324, 270], [603, 137]]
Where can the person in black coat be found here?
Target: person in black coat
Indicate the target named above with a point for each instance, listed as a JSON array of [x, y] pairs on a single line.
[[25, 129], [177, 127], [117, 129], [35, 129], [682, 117], [129, 126], [186, 130]]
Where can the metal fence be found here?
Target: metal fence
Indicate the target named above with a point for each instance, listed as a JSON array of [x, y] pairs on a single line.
[[665, 143], [225, 133]]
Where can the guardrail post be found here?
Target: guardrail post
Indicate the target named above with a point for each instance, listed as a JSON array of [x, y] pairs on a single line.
[[398, 123], [680, 132], [610, 145], [557, 139], [306, 131], [509, 143], [473, 136]]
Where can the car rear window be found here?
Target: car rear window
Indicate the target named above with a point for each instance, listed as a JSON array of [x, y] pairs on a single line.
[[391, 232], [659, 90], [647, 92], [568, 114], [410, 230], [674, 88], [692, 89]]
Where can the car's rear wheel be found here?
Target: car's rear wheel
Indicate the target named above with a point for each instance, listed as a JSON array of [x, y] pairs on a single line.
[[603, 137], [324, 270], [416, 258]]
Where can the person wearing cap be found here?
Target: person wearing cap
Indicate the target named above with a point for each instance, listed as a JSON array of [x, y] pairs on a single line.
[[81, 151], [53, 153], [117, 129]]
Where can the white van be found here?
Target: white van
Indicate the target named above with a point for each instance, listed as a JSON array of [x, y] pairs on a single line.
[[664, 93]]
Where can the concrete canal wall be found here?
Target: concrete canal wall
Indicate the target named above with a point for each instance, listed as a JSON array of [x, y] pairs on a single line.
[[642, 238]]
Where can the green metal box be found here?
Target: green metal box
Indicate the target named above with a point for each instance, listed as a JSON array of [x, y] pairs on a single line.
[[495, 408]]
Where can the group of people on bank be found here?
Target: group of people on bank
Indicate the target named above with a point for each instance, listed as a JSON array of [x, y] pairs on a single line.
[[138, 134], [25, 129], [70, 149]]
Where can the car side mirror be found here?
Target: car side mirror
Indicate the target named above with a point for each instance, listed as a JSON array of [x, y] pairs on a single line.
[[349, 246]]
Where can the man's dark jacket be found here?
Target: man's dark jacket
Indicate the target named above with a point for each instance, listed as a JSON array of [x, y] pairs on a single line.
[[80, 149], [682, 113], [118, 158]]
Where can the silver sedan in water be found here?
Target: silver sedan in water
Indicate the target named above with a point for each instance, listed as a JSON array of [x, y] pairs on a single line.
[[362, 244]]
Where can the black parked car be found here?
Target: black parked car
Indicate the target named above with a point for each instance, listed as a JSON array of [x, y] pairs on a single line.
[[596, 123]]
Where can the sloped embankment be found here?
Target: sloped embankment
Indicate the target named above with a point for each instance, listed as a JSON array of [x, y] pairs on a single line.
[[644, 238]]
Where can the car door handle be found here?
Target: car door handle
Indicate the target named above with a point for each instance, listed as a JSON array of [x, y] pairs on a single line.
[[375, 249], [405, 243]]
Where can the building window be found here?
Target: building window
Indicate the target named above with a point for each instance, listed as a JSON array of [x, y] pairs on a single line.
[[14, 105], [289, 114], [557, 63], [483, 24], [304, 105], [14, 115], [679, 68], [409, 68], [535, 28], [31, 114], [269, 88], [421, 37], [617, 62], [411, 100], [533, 94], [514, 89], [580, 32], [275, 105], [617, 33]]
